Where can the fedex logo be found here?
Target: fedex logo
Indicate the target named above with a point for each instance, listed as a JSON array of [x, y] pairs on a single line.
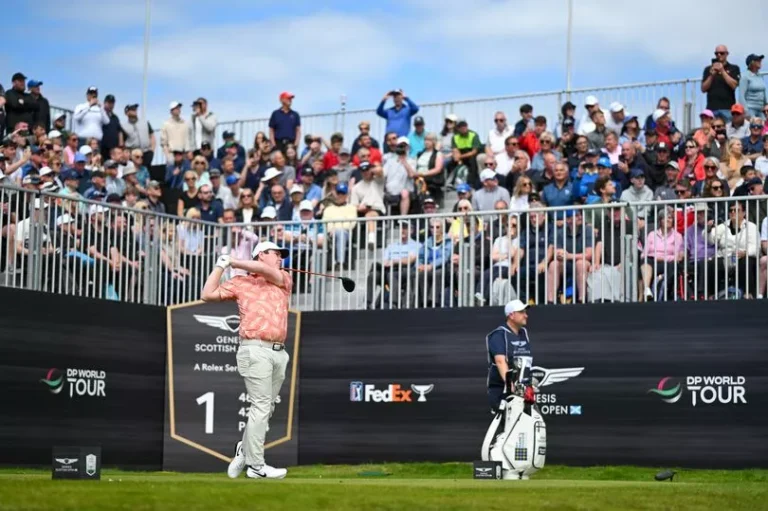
[[393, 393]]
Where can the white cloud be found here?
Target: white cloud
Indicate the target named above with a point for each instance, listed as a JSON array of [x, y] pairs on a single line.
[[113, 13]]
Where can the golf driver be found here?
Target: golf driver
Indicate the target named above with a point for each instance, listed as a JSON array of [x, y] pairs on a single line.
[[347, 284]]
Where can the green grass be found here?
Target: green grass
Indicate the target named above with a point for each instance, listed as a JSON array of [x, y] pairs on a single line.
[[414, 486]]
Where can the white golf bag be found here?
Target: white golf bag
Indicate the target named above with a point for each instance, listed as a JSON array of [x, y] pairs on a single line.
[[517, 436]]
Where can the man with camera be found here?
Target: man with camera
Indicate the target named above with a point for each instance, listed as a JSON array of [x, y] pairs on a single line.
[[398, 116], [89, 117], [719, 83], [399, 173], [20, 106], [203, 124]]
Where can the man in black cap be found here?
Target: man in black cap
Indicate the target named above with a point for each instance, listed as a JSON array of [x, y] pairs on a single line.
[[43, 113], [138, 134], [229, 138], [206, 150], [112, 131], [417, 136], [19, 105]]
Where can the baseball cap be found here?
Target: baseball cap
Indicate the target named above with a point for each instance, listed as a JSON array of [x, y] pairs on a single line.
[[129, 171], [616, 107], [344, 150], [268, 245], [97, 208], [37, 83], [707, 113], [45, 171], [487, 174], [110, 164], [637, 173], [364, 166], [153, 184], [70, 175], [753, 57], [342, 188], [568, 122], [307, 171], [452, 117], [700, 206], [754, 181], [66, 218], [306, 205], [658, 114], [418, 120], [593, 152], [428, 199], [269, 213], [566, 106], [199, 100], [109, 98], [461, 121], [79, 158], [227, 134], [662, 147], [515, 306], [214, 173], [174, 104], [130, 107], [85, 150], [287, 95], [61, 116], [113, 198], [463, 188], [590, 101], [604, 161], [403, 140], [672, 164], [205, 145], [92, 90], [737, 108], [270, 173], [296, 188], [231, 180], [18, 76], [98, 173], [54, 134]]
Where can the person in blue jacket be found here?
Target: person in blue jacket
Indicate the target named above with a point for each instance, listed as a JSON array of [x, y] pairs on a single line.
[[399, 115], [504, 344]]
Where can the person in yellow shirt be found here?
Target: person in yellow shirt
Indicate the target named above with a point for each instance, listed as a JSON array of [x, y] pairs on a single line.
[[338, 230]]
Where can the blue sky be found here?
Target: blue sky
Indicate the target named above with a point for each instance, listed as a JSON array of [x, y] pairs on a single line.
[[240, 54]]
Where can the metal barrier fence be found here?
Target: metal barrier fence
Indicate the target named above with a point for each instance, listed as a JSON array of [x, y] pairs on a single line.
[[676, 250]]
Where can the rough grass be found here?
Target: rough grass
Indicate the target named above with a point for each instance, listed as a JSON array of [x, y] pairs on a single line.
[[404, 487]]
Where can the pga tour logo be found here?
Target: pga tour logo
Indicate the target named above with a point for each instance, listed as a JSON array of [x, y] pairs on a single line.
[[82, 382], [393, 393], [703, 389]]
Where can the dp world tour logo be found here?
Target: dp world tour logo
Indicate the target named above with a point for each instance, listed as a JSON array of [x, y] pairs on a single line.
[[54, 380], [667, 392]]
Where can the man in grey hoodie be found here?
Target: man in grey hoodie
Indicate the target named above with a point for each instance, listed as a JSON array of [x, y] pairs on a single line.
[[638, 192]]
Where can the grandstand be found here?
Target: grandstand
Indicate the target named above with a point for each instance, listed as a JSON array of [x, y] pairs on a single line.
[[640, 192]]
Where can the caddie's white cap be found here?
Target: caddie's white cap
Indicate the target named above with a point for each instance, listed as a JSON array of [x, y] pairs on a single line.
[[268, 245], [515, 306]]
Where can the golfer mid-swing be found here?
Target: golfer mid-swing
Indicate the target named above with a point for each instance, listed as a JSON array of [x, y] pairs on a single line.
[[262, 300]]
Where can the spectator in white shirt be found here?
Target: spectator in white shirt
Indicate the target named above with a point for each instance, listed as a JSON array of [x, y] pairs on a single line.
[[585, 124], [615, 121], [176, 134], [506, 158], [90, 117], [737, 245], [497, 137]]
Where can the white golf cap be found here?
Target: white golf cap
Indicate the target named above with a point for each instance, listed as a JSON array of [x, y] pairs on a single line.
[[403, 140], [66, 218], [658, 114], [268, 245], [174, 104], [306, 205], [270, 213], [270, 173], [45, 171], [297, 188], [54, 134], [452, 117], [487, 174], [95, 208], [616, 107], [85, 150], [590, 101], [515, 306]]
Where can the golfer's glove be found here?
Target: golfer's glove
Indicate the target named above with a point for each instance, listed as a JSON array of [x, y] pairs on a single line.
[[223, 262]]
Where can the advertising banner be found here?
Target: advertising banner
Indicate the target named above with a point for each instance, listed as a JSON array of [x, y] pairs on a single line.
[[79, 371], [206, 403], [649, 384]]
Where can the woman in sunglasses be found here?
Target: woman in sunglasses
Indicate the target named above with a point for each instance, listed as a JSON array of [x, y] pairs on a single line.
[[70, 150], [692, 164], [752, 87]]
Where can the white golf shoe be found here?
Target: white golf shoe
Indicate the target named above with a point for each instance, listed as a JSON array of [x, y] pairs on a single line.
[[237, 464], [265, 472]]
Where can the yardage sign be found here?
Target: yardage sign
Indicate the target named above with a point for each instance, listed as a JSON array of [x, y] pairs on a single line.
[[207, 407]]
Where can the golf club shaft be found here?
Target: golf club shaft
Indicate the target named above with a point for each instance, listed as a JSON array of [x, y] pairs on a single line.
[[314, 273]]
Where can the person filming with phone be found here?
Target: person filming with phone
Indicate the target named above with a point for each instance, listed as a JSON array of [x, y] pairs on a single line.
[[719, 83]]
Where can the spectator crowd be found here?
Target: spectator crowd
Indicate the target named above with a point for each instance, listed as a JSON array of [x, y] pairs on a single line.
[[504, 172]]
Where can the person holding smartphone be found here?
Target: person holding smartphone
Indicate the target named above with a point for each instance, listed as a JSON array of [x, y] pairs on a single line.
[[399, 115], [719, 83]]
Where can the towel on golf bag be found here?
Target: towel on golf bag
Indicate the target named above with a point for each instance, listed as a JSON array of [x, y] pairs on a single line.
[[605, 284]]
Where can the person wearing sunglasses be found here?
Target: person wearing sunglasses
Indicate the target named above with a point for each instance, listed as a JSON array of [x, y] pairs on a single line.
[[753, 144], [692, 164], [711, 168], [752, 87], [717, 140], [719, 83]]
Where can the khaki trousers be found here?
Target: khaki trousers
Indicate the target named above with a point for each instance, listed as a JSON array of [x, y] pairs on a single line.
[[263, 370]]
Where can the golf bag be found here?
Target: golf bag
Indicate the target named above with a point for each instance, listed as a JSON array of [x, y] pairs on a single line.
[[517, 436]]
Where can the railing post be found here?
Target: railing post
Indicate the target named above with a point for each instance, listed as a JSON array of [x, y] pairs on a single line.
[[633, 253]]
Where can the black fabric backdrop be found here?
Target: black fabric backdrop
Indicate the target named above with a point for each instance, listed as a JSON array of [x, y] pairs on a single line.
[[41, 331], [625, 350]]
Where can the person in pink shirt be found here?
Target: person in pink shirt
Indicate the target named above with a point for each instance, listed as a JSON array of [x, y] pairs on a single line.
[[262, 298], [664, 249]]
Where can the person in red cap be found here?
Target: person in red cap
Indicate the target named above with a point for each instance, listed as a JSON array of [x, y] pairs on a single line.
[[285, 124]]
